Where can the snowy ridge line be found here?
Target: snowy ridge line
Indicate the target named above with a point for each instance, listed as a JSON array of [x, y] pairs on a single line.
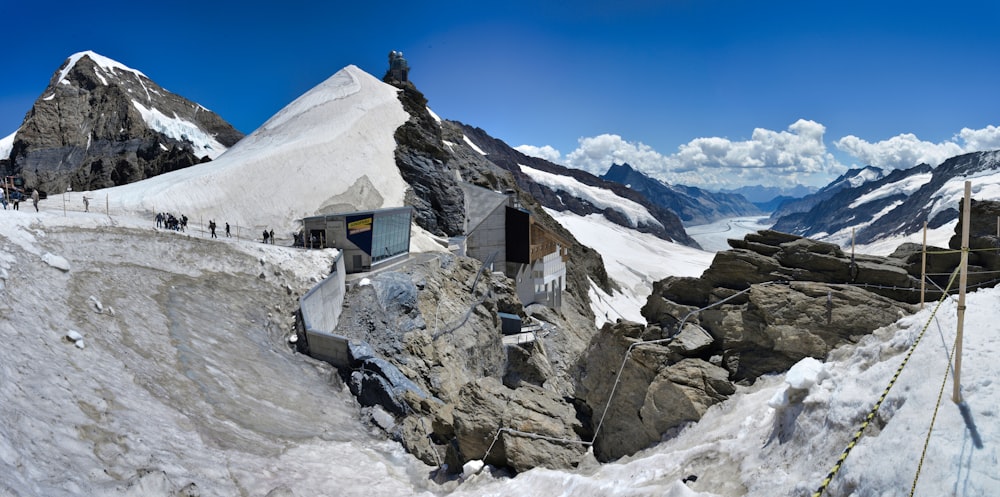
[[874, 410]]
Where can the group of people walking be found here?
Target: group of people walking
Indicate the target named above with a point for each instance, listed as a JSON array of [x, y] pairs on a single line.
[[212, 226], [14, 198], [168, 221]]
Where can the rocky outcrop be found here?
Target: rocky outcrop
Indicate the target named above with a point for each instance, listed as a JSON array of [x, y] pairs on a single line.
[[771, 301], [88, 129], [655, 392], [429, 361], [515, 427], [436, 197]]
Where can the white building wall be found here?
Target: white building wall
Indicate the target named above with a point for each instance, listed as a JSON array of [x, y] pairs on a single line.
[[542, 282]]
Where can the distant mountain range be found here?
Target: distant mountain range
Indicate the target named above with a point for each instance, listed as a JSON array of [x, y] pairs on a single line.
[[876, 204], [850, 179], [769, 198], [693, 205], [759, 194]]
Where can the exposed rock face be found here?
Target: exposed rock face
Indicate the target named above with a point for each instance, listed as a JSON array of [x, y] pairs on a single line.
[[653, 395], [437, 200], [101, 124], [775, 299], [486, 405]]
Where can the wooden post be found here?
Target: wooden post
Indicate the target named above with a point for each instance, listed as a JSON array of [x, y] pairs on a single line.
[[956, 395], [923, 269]]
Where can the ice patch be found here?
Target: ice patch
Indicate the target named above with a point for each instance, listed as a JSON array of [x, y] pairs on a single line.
[[56, 261]]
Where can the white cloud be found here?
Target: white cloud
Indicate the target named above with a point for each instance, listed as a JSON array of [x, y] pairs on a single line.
[[596, 154], [797, 155], [976, 140], [546, 152], [768, 157], [906, 150], [899, 152]]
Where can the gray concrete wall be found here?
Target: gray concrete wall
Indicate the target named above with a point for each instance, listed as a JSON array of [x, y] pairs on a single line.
[[489, 237], [321, 308]]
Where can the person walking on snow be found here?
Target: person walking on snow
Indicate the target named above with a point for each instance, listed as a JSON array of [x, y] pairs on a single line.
[[34, 198], [265, 236], [211, 227], [86, 204], [272, 237], [227, 230]]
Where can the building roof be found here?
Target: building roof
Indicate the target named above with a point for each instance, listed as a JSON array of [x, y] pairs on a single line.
[[375, 211], [479, 203]]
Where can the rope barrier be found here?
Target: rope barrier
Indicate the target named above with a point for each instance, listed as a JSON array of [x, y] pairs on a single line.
[[927, 441], [874, 410]]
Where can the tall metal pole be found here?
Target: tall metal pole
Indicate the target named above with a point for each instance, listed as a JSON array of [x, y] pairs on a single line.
[[923, 269], [956, 395]]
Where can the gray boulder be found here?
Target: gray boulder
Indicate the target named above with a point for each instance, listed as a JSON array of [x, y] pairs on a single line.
[[653, 394], [542, 429]]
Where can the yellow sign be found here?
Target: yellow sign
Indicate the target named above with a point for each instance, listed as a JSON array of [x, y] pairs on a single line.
[[359, 226]]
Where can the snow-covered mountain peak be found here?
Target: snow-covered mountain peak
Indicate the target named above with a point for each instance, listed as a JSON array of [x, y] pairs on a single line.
[[100, 123], [342, 84], [865, 175], [108, 65], [331, 149]]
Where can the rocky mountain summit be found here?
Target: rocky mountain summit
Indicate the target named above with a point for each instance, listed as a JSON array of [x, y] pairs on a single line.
[[693, 205], [100, 124]]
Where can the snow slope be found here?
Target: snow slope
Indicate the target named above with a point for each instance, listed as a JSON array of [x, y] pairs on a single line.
[[6, 145], [634, 260], [601, 198], [331, 149]]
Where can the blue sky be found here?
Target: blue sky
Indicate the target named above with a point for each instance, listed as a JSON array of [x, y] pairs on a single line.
[[705, 93]]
